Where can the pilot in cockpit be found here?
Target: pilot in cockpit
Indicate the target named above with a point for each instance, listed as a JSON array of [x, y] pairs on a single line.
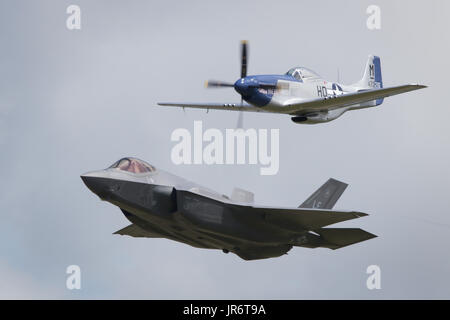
[[133, 165], [302, 73]]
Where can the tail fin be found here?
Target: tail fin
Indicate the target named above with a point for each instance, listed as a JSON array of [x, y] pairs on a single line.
[[372, 76], [326, 196]]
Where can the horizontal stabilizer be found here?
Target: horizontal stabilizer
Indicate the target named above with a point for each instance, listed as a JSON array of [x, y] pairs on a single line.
[[137, 232], [326, 196], [336, 238]]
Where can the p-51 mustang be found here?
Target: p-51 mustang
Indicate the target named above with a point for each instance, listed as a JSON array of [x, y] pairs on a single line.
[[161, 205], [303, 94]]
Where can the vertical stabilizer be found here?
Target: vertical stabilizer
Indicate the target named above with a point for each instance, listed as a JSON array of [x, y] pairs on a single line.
[[372, 78], [326, 196]]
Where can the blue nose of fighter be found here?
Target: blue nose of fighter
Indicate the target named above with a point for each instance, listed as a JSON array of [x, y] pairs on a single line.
[[256, 90], [242, 86]]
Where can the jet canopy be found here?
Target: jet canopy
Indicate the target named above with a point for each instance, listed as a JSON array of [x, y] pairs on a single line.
[[302, 73], [133, 165]]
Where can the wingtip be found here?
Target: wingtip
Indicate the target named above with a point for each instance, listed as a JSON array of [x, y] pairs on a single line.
[[360, 214], [336, 180], [419, 86], [370, 235]]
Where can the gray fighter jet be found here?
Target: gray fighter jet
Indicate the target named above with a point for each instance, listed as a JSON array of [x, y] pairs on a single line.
[[161, 205]]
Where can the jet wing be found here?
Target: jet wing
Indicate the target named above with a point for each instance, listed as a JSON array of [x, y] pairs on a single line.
[[214, 106], [292, 219], [305, 219], [349, 99]]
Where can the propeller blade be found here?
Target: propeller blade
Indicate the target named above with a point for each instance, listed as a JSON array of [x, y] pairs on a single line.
[[240, 122], [218, 84], [244, 58]]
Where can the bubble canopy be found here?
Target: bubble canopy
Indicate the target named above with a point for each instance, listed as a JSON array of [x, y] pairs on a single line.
[[302, 73], [133, 165]]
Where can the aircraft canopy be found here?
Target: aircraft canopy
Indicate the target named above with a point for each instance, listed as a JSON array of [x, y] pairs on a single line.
[[302, 73], [133, 165]]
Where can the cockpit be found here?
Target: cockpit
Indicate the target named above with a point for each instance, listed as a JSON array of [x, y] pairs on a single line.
[[302, 73], [133, 165]]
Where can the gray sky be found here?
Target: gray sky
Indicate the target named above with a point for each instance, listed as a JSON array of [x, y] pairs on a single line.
[[75, 101]]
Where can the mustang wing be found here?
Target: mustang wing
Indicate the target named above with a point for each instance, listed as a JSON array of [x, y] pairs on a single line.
[[349, 99], [214, 106], [311, 105]]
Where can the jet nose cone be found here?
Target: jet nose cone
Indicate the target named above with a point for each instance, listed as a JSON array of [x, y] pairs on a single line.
[[97, 184]]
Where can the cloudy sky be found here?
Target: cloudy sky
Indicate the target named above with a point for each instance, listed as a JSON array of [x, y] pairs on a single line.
[[76, 101]]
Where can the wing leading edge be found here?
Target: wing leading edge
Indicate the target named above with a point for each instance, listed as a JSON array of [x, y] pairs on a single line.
[[214, 106]]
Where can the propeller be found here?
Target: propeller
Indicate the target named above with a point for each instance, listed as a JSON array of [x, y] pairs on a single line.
[[240, 122], [243, 58], [217, 84], [223, 84]]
